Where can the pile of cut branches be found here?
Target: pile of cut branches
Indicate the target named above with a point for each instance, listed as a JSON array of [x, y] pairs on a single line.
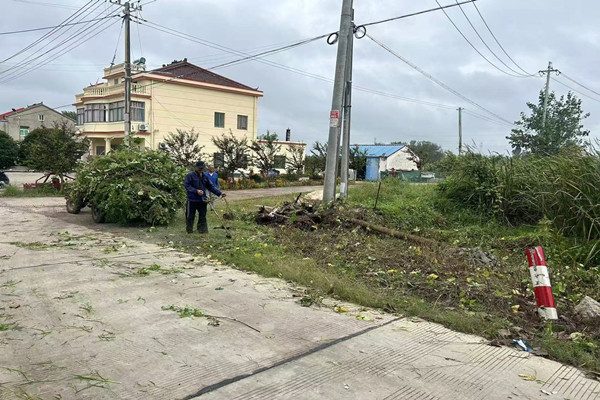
[[304, 216]]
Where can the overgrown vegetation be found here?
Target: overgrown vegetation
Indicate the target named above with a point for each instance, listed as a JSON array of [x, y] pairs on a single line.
[[471, 274], [9, 151], [130, 185]]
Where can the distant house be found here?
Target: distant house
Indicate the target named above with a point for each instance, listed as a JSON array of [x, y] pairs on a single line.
[[385, 157], [287, 150], [179, 95], [19, 122]]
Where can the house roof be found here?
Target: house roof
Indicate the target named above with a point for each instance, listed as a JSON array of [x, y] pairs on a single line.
[[184, 69], [379, 150], [6, 114]]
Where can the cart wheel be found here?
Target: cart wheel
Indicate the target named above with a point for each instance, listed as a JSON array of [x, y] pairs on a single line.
[[73, 207], [97, 215]]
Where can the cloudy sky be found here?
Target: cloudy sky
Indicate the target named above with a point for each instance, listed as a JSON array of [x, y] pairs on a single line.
[[532, 32]]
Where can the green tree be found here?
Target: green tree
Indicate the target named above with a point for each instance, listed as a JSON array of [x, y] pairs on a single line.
[[56, 151], [32, 137], [183, 148], [426, 152], [72, 115], [9, 151], [234, 152], [563, 126], [358, 161], [296, 159], [265, 149], [315, 162]]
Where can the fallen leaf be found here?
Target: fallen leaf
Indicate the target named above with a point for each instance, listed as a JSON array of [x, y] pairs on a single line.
[[527, 377], [340, 309], [515, 308]]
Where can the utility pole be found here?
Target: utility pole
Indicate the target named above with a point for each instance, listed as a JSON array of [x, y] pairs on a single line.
[[347, 114], [547, 72], [127, 8], [460, 130], [336, 103]]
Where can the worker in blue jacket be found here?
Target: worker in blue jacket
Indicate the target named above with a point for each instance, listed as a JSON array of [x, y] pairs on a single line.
[[197, 186], [213, 177]]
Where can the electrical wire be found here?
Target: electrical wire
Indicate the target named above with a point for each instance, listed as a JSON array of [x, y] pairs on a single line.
[[416, 13], [32, 57], [112, 63], [90, 32], [436, 81], [497, 41], [487, 46], [52, 27], [579, 84], [574, 90], [47, 35], [473, 46]]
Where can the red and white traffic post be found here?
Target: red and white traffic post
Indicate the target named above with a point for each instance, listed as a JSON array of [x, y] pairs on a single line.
[[541, 283]]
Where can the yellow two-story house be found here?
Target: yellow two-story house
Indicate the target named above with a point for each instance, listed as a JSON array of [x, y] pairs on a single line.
[[179, 95]]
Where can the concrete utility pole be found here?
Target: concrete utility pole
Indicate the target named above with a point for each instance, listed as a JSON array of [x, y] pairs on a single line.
[[347, 114], [336, 103], [127, 8], [460, 130], [547, 72]]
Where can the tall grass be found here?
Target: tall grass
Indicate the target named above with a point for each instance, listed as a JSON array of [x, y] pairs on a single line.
[[565, 189]]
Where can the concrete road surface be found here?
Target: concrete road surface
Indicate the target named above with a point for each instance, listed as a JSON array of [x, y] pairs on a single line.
[[87, 314]]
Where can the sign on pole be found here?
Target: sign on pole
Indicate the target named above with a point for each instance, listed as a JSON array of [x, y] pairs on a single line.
[[334, 118]]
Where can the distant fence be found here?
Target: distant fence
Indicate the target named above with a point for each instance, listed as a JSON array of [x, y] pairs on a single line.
[[414, 176]]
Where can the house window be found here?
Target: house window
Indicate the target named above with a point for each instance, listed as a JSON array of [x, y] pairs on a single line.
[[116, 81], [244, 161], [100, 150], [115, 111], [243, 122], [23, 131], [137, 111], [41, 117], [219, 160], [219, 120], [95, 113], [80, 116], [279, 162]]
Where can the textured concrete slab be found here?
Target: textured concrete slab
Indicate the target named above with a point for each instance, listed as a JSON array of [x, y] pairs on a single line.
[[88, 314]]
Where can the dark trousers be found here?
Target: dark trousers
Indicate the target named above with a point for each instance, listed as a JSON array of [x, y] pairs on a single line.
[[190, 215]]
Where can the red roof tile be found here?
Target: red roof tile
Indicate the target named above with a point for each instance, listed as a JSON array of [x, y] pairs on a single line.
[[185, 70], [6, 114]]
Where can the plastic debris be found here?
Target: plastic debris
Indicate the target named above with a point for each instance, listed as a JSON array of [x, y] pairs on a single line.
[[521, 344]]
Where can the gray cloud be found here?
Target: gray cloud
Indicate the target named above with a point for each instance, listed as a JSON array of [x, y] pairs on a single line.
[[532, 32]]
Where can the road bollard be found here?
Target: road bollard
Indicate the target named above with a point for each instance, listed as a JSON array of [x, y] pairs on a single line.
[[541, 283]]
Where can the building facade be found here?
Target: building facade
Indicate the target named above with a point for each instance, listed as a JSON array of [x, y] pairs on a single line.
[[19, 122], [382, 158], [176, 96]]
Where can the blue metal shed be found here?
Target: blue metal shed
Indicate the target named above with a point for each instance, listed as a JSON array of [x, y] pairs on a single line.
[[374, 155]]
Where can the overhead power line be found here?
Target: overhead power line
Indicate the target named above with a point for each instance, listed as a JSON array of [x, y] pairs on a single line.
[[497, 41], [82, 35], [579, 84], [49, 34], [473, 46], [487, 46], [417, 13], [574, 90], [56, 26], [437, 81]]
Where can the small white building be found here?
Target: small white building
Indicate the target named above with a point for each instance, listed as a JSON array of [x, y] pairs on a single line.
[[387, 157]]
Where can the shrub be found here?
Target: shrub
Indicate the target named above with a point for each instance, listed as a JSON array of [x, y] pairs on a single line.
[[9, 151], [131, 185]]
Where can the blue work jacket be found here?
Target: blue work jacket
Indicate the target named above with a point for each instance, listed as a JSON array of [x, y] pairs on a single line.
[[194, 182]]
